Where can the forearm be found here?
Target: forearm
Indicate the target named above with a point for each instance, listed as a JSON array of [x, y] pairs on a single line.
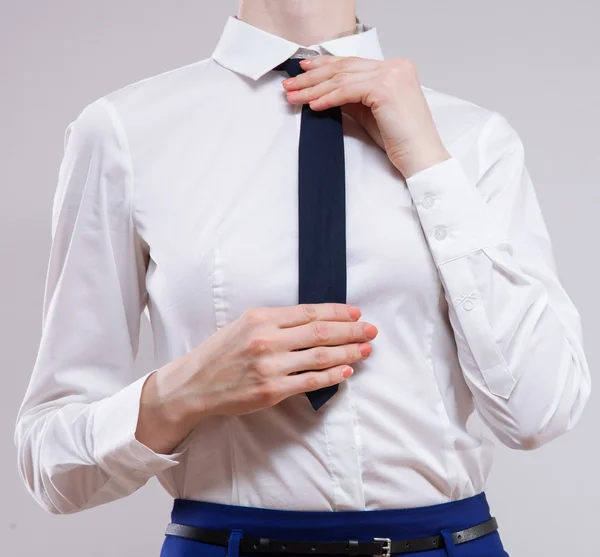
[[80, 454], [518, 333], [521, 356]]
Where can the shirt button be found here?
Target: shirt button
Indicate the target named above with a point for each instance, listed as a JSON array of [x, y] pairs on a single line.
[[427, 202], [440, 232], [468, 305]]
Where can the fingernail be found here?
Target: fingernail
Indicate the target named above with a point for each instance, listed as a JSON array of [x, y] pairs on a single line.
[[370, 330], [306, 62], [365, 349], [354, 312], [288, 81], [347, 371]]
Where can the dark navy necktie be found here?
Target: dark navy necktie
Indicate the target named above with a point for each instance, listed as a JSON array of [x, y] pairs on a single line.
[[321, 210]]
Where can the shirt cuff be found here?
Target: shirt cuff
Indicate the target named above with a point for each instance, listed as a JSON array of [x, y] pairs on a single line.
[[116, 448], [454, 215]]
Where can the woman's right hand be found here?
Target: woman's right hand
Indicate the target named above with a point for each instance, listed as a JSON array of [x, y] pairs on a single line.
[[256, 361], [271, 353]]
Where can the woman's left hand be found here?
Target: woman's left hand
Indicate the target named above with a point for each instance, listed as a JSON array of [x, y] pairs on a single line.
[[384, 96]]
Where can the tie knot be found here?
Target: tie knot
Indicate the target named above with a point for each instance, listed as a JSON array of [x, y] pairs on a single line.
[[291, 66]]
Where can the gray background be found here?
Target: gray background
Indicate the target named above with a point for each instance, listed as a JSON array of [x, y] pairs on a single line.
[[535, 62]]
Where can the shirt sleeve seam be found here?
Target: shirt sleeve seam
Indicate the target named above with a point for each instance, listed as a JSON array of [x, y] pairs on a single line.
[[121, 134], [119, 130]]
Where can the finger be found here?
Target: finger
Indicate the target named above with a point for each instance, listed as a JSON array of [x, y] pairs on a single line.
[[317, 71], [348, 93], [302, 314], [313, 380], [321, 59], [308, 94], [342, 62], [323, 357], [323, 333]]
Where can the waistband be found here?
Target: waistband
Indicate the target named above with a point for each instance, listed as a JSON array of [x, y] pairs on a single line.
[[332, 525]]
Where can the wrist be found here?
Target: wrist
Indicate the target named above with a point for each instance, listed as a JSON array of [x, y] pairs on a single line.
[[417, 158], [166, 414]]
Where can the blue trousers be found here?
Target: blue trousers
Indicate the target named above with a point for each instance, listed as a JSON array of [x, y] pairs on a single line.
[[418, 522]]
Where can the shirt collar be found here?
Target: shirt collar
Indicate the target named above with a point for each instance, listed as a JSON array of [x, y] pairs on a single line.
[[251, 51]]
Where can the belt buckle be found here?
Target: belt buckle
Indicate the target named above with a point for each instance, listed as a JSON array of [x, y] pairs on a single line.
[[386, 547]]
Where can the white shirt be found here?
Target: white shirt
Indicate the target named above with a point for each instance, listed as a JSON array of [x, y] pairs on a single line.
[[177, 196]]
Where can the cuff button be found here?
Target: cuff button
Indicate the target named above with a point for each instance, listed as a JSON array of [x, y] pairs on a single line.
[[440, 232], [427, 202]]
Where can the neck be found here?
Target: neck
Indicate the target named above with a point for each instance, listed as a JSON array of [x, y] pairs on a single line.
[[304, 22]]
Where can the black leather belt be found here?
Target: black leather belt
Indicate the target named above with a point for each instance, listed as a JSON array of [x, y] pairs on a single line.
[[382, 547]]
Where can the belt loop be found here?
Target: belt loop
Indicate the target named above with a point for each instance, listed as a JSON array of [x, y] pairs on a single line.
[[233, 545], [448, 542]]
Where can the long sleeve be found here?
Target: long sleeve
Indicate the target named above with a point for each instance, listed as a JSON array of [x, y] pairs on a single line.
[[517, 332], [75, 429]]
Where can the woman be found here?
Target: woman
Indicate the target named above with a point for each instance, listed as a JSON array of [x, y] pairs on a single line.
[[213, 196]]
